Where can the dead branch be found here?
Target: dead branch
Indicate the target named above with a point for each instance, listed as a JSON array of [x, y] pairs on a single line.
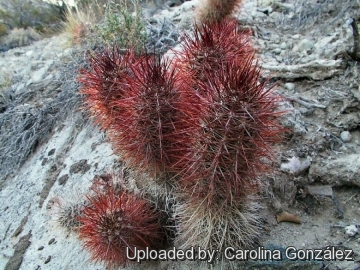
[[316, 70], [355, 54]]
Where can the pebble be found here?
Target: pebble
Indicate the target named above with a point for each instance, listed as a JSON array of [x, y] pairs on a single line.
[[283, 46], [289, 86], [277, 51], [345, 136]]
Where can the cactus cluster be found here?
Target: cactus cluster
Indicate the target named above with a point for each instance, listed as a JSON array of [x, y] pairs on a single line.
[[204, 121]]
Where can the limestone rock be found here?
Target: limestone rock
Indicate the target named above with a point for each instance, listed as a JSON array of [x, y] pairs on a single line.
[[343, 170]]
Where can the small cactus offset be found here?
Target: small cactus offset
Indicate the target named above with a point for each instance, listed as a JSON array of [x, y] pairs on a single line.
[[215, 11], [114, 221]]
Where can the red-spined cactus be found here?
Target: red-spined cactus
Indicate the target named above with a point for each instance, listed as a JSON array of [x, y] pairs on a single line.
[[144, 134], [237, 115], [103, 83], [113, 221], [215, 11], [211, 46], [136, 100]]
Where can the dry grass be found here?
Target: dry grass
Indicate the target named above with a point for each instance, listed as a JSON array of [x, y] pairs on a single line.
[[18, 37], [79, 21], [5, 81], [3, 30], [24, 125]]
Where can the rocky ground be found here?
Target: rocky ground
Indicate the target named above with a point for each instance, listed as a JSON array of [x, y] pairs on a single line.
[[304, 45]]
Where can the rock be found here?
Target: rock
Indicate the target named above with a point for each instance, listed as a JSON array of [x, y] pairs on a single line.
[[345, 136], [352, 230], [343, 170], [304, 45]]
